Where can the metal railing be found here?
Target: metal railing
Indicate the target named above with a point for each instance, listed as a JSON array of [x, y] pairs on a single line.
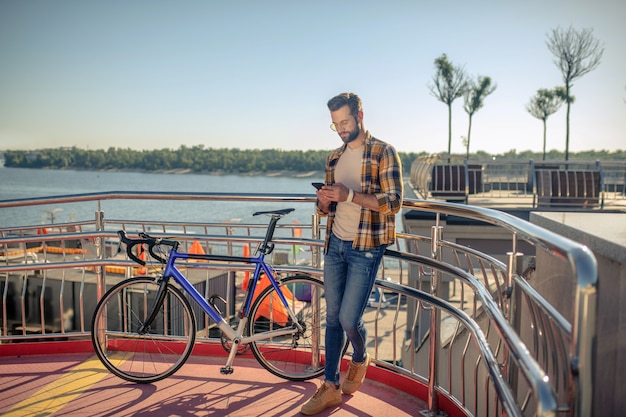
[[545, 184], [475, 354]]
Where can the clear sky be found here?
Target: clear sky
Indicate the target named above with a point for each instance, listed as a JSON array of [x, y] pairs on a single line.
[[257, 74]]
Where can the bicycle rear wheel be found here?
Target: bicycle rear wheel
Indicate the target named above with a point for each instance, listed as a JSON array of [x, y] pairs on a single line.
[[149, 357], [297, 356]]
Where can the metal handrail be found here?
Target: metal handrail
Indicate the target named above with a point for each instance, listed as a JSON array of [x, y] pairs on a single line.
[[579, 258]]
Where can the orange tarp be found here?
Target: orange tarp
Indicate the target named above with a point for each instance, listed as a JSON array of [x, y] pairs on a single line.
[[275, 311]]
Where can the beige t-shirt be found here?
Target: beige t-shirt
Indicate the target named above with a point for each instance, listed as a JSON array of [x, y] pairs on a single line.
[[348, 172]]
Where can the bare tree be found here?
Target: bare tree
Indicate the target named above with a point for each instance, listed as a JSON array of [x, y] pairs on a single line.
[[543, 104], [449, 83], [474, 99], [576, 53]]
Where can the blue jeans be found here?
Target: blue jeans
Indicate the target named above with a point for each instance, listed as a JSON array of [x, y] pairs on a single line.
[[349, 276]]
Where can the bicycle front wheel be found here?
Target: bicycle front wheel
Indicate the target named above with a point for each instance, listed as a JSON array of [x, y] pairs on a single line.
[[299, 355], [147, 356]]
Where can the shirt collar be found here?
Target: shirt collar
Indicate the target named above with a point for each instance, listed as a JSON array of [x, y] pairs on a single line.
[[366, 142]]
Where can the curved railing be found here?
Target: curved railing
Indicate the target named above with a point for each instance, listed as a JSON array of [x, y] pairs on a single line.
[[472, 349]]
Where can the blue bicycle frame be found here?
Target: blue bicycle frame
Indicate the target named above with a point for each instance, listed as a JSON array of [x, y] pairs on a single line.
[[237, 336]]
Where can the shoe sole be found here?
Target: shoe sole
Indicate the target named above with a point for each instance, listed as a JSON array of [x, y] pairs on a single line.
[[311, 413]]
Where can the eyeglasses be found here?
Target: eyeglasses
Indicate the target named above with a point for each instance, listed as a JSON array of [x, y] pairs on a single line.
[[341, 125]]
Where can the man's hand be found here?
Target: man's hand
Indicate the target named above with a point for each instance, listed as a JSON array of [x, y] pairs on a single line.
[[329, 193], [339, 192]]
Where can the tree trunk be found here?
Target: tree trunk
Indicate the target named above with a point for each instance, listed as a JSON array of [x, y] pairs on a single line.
[[544, 139], [469, 132], [449, 128], [569, 102]]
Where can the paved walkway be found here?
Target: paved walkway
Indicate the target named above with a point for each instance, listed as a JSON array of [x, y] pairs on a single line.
[[78, 385]]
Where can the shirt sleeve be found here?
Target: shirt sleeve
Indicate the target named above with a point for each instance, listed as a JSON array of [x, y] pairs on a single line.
[[390, 174]]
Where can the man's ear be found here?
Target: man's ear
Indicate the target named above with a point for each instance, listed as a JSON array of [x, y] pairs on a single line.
[[360, 116]]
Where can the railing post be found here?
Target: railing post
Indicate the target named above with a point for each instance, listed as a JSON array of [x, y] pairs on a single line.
[[601, 185], [316, 335], [584, 335], [533, 179], [99, 243], [467, 180], [513, 267], [316, 234], [435, 322], [512, 311]]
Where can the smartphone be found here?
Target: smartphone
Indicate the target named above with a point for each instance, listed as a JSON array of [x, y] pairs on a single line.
[[317, 185]]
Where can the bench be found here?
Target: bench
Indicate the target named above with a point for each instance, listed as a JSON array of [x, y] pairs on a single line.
[[573, 188], [449, 182]]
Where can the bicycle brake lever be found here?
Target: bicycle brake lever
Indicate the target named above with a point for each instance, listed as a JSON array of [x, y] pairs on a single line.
[[121, 235]]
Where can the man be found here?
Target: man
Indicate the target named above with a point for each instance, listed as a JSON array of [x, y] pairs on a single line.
[[363, 192]]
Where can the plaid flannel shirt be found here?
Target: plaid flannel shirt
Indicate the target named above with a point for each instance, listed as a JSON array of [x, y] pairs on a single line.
[[381, 174]]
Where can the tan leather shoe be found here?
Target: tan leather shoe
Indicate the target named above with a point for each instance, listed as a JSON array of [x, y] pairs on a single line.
[[356, 376], [327, 395]]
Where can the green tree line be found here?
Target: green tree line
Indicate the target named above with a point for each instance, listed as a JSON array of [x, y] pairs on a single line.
[[201, 159], [196, 158]]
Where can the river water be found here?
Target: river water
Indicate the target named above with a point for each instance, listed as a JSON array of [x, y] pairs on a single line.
[[20, 183]]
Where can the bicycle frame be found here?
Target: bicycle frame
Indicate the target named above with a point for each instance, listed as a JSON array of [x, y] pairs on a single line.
[[237, 337]]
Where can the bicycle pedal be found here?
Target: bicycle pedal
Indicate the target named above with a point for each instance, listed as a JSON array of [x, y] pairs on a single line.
[[226, 370]]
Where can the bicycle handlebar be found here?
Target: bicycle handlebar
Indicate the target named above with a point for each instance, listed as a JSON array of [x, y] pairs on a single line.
[[148, 240]]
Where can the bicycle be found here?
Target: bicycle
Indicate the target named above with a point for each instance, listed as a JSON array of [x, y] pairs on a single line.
[[144, 328]]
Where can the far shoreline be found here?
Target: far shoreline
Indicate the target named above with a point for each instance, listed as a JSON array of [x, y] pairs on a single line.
[[185, 171]]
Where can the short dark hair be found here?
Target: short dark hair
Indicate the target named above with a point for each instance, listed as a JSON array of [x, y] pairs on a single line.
[[346, 99]]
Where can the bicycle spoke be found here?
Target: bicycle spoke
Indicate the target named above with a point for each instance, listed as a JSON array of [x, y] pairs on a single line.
[[297, 356], [145, 357]]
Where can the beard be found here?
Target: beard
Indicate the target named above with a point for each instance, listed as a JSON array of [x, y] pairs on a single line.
[[352, 135]]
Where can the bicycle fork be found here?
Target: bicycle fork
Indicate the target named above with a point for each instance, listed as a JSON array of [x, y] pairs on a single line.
[[154, 308]]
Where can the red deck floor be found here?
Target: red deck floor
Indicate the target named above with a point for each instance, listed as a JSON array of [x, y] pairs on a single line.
[[76, 384]]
